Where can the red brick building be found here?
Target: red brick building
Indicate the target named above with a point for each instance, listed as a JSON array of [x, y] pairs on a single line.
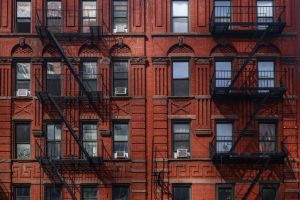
[[176, 99]]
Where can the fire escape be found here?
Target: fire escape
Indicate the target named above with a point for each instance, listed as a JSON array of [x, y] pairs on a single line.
[[247, 84], [75, 155]]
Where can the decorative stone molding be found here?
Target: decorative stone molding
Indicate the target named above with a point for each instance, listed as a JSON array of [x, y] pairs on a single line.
[[37, 60], [120, 41], [22, 41], [105, 61], [180, 41], [6, 60], [105, 133], [138, 60], [242, 60], [201, 60], [203, 132], [160, 60], [288, 60]]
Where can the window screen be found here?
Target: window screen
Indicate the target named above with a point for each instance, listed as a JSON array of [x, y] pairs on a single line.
[[269, 192], [224, 137], [54, 15], [120, 192], [23, 16], [22, 192], [54, 141], [181, 136], [266, 75], [121, 134], [120, 16], [180, 16], [89, 136], [180, 78], [222, 11], [120, 78], [225, 192], [223, 73], [89, 193], [182, 192], [22, 134], [53, 193], [89, 15], [22, 76], [54, 78], [90, 75], [267, 137]]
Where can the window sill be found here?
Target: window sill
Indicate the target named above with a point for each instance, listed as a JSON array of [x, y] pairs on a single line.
[[121, 97], [121, 160], [22, 98], [181, 97]]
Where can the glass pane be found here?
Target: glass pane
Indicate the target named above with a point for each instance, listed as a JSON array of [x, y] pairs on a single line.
[[54, 86], [121, 146], [54, 132], [225, 194], [181, 145], [54, 9], [223, 73], [53, 193], [121, 66], [53, 68], [120, 193], [89, 193], [267, 137], [22, 192], [224, 137], [54, 149], [23, 70], [180, 87], [266, 74], [180, 8], [184, 136], [121, 83], [181, 193], [23, 151], [23, 26], [181, 128], [23, 133], [23, 84], [89, 9], [180, 70], [265, 8], [89, 131], [120, 132], [91, 148], [24, 9], [222, 9], [89, 70], [180, 25], [269, 193]]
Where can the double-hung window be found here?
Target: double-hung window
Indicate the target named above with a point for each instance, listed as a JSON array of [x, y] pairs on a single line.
[[223, 73], [53, 193], [222, 11], [89, 193], [90, 75], [89, 15], [121, 136], [22, 79], [181, 139], [181, 192], [120, 16], [265, 13], [269, 192], [120, 78], [54, 78], [54, 141], [22, 138], [181, 78], [266, 75], [23, 16], [267, 137], [120, 192], [54, 15], [225, 192], [223, 137], [89, 137], [22, 192], [180, 16]]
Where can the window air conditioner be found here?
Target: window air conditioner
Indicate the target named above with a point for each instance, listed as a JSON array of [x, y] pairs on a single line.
[[23, 92], [121, 154], [120, 90], [182, 153], [120, 29]]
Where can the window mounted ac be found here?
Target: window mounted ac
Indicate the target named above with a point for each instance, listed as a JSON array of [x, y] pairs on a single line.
[[182, 153], [121, 154], [120, 91], [120, 29], [23, 92]]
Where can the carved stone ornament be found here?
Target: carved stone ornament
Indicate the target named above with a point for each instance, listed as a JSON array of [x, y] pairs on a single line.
[[120, 41], [5, 60], [160, 60], [37, 60], [288, 60], [105, 61], [138, 60], [202, 60], [180, 40], [22, 41]]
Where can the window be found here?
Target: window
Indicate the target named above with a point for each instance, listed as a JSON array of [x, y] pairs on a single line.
[[22, 192], [89, 137], [223, 73], [53, 193], [269, 192], [22, 131], [265, 13], [89, 193], [22, 79], [120, 192], [121, 134], [89, 15], [54, 15], [222, 11], [224, 137], [181, 138], [54, 141], [267, 137], [120, 16], [181, 78], [90, 75], [23, 17], [54, 78], [266, 75], [225, 192], [180, 16], [120, 78], [182, 192]]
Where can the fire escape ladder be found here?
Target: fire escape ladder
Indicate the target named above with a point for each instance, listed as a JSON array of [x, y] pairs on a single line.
[[250, 56], [72, 70], [251, 118], [256, 179]]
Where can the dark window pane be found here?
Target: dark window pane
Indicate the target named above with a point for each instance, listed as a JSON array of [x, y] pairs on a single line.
[[23, 17], [22, 192], [54, 141], [225, 193], [53, 193], [23, 133], [121, 132], [120, 192], [89, 136], [181, 193], [120, 16], [23, 27], [269, 193], [181, 87], [89, 193], [120, 146]]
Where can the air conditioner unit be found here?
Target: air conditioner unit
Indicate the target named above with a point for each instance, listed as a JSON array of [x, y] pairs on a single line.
[[120, 29], [23, 92], [121, 154], [120, 90], [182, 153]]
